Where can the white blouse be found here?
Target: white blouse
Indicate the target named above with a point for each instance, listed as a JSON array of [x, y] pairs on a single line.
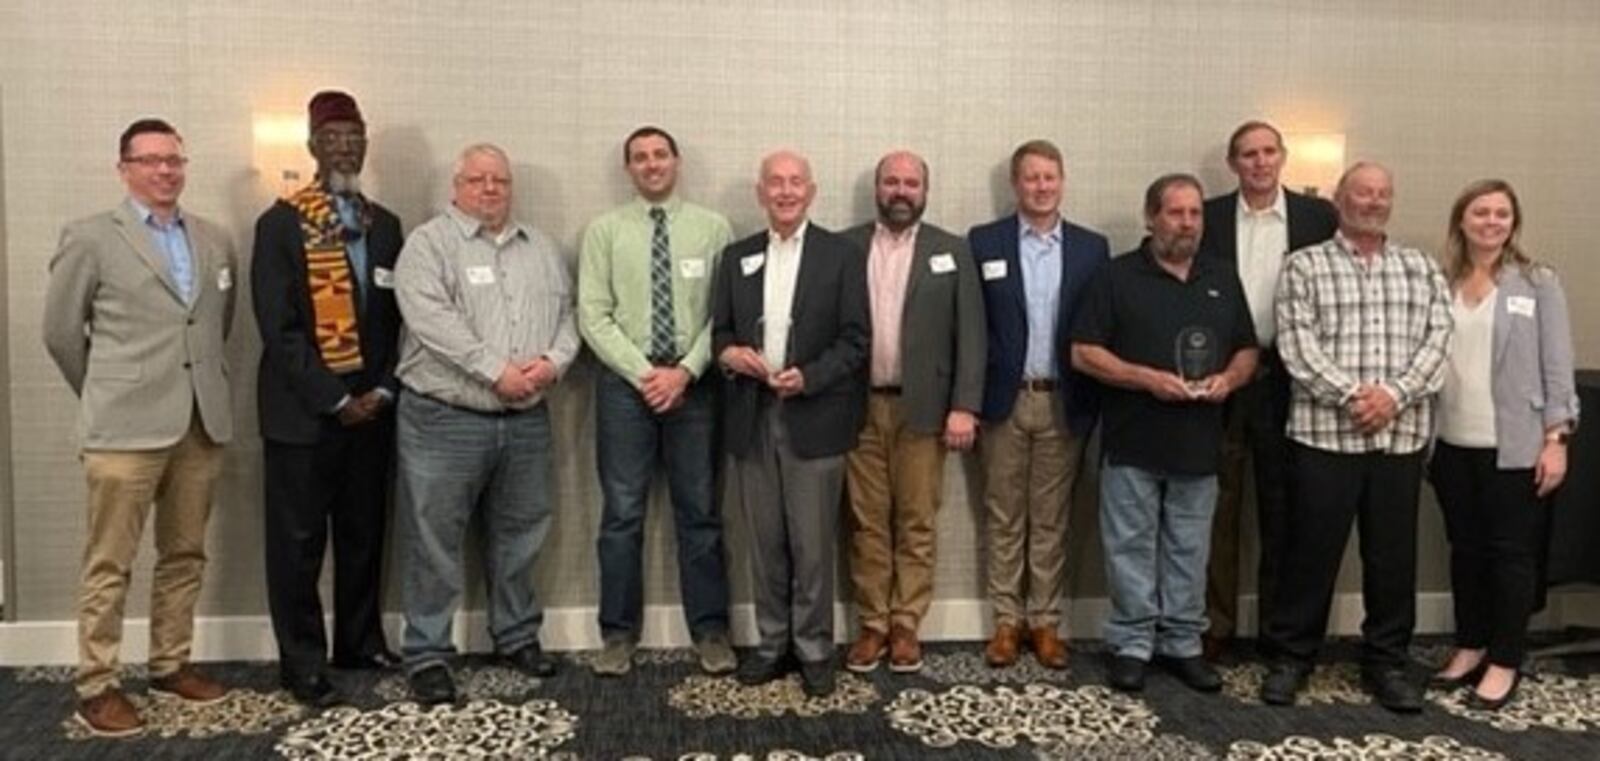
[[1466, 405]]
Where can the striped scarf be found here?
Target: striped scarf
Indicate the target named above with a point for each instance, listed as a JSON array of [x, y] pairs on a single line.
[[328, 273]]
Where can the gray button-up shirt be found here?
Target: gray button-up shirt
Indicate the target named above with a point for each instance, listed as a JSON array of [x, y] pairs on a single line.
[[474, 301]]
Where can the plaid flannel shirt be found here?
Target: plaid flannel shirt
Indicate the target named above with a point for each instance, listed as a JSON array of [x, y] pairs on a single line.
[[1343, 322]]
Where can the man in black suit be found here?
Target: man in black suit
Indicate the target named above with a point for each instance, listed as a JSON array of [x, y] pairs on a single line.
[[322, 282], [792, 332], [1252, 230]]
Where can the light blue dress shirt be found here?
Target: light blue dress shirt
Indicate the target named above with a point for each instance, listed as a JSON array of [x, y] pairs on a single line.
[[172, 240], [1041, 283], [349, 215]]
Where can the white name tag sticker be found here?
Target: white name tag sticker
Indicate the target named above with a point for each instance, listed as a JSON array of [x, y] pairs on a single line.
[[480, 275], [692, 269], [751, 264], [994, 270], [225, 279], [943, 263], [383, 277], [1522, 305]]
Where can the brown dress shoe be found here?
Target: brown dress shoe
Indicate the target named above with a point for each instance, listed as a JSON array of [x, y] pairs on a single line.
[[1003, 646], [109, 714], [905, 652], [866, 652], [190, 685], [1049, 648]]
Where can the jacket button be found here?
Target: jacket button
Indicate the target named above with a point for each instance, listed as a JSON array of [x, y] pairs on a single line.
[[191, 320], [186, 365]]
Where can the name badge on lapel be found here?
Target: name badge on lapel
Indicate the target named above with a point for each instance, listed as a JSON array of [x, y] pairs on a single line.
[[692, 269], [383, 277], [994, 269], [944, 263], [751, 264], [480, 275], [1522, 305], [225, 279]]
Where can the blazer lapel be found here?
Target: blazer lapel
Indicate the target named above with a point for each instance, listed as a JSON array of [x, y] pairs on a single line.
[[1013, 259], [1502, 323], [133, 231], [921, 258], [753, 288], [810, 259], [1228, 229]]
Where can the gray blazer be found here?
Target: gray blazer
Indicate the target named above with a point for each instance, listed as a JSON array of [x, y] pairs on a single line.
[[1531, 378], [138, 357], [943, 343]]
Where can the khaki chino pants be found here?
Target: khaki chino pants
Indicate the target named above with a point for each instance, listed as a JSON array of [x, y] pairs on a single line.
[[179, 480], [895, 478]]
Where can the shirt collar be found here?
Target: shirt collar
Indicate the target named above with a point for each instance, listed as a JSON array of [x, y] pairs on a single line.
[[470, 227], [145, 215], [1350, 248], [671, 205], [799, 234], [1024, 230], [907, 235], [1280, 206]]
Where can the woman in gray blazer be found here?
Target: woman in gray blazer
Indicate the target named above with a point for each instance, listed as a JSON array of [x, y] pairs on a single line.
[[1508, 406]]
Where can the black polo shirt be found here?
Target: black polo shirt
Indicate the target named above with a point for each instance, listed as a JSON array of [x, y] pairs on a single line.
[[1136, 310]]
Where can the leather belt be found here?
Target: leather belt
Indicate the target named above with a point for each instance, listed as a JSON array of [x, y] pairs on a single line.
[[1046, 385]]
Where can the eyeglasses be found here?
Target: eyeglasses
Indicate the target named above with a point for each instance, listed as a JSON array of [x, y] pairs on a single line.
[[151, 161], [481, 180]]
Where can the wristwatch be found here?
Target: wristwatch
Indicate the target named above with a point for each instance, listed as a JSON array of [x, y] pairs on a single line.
[[1562, 437]]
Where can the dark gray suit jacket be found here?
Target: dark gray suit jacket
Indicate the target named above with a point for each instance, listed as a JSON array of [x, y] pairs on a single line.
[[943, 342]]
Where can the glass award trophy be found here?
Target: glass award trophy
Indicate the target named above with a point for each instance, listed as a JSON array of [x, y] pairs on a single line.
[[1196, 356]]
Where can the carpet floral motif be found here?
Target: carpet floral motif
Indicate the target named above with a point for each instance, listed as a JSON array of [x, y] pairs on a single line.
[[1329, 684], [1064, 721], [1164, 747], [1544, 701], [969, 667], [240, 712], [702, 697], [479, 729], [472, 683], [1375, 746], [781, 754], [642, 656]]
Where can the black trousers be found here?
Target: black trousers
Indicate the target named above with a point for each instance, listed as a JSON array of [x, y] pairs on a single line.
[[342, 483], [1329, 491], [1254, 421], [1496, 524]]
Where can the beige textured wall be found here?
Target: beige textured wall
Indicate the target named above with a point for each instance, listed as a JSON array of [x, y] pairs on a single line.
[[1444, 91]]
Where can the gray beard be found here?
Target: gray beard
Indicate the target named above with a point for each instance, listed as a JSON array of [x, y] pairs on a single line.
[[340, 183]]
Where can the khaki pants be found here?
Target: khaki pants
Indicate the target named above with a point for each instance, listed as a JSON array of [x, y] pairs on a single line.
[[1030, 462], [895, 478], [179, 480]]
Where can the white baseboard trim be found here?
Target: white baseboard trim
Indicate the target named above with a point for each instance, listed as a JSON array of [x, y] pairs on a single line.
[[227, 638]]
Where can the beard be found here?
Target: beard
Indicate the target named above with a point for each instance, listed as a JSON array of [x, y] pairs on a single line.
[[343, 183], [1179, 246], [899, 212]]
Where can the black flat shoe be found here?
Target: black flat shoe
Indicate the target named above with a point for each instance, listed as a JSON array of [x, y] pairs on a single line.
[[1451, 684], [1480, 703]]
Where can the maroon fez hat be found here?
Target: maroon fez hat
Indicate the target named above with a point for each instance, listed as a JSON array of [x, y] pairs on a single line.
[[332, 105]]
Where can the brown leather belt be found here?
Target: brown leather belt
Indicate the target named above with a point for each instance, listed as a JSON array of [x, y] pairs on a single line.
[[886, 390], [1046, 385]]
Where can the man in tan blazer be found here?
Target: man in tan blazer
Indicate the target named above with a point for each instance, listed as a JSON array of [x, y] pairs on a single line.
[[139, 304], [926, 367]]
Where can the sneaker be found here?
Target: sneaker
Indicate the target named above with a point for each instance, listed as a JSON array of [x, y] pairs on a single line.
[[716, 654], [616, 658], [867, 652], [109, 714], [188, 684], [432, 685]]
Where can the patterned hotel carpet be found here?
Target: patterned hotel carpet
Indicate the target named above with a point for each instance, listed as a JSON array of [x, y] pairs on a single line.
[[957, 708]]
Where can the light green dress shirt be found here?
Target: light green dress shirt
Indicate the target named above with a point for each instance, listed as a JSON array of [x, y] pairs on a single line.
[[614, 283]]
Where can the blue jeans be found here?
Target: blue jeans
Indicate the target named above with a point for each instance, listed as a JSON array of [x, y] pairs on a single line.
[[1155, 529], [452, 462], [629, 440]]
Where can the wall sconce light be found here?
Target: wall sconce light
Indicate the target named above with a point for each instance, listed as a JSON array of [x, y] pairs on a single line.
[[1316, 160], [280, 152]]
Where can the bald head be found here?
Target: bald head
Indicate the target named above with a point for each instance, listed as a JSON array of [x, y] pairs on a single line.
[[785, 190], [901, 189]]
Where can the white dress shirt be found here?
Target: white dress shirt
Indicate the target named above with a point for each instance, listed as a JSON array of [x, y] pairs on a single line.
[[1263, 241]]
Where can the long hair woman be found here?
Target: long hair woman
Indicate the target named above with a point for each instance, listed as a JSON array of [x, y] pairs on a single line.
[[1508, 406]]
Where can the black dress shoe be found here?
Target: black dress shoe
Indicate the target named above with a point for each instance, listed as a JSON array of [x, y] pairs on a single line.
[[1285, 679], [1195, 672], [531, 660], [1125, 673], [1480, 703], [313, 692], [433, 685], [1394, 689], [816, 679], [379, 661], [759, 670]]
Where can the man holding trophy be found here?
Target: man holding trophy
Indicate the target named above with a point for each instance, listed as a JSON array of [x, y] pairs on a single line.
[[1171, 337]]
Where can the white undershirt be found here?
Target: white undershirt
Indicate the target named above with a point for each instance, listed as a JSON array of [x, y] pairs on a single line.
[[1263, 240], [783, 267], [1466, 404]]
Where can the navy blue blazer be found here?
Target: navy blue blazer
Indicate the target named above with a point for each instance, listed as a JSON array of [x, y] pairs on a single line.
[[1005, 304]]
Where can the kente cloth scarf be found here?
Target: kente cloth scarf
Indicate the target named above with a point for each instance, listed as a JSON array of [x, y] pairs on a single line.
[[333, 298]]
